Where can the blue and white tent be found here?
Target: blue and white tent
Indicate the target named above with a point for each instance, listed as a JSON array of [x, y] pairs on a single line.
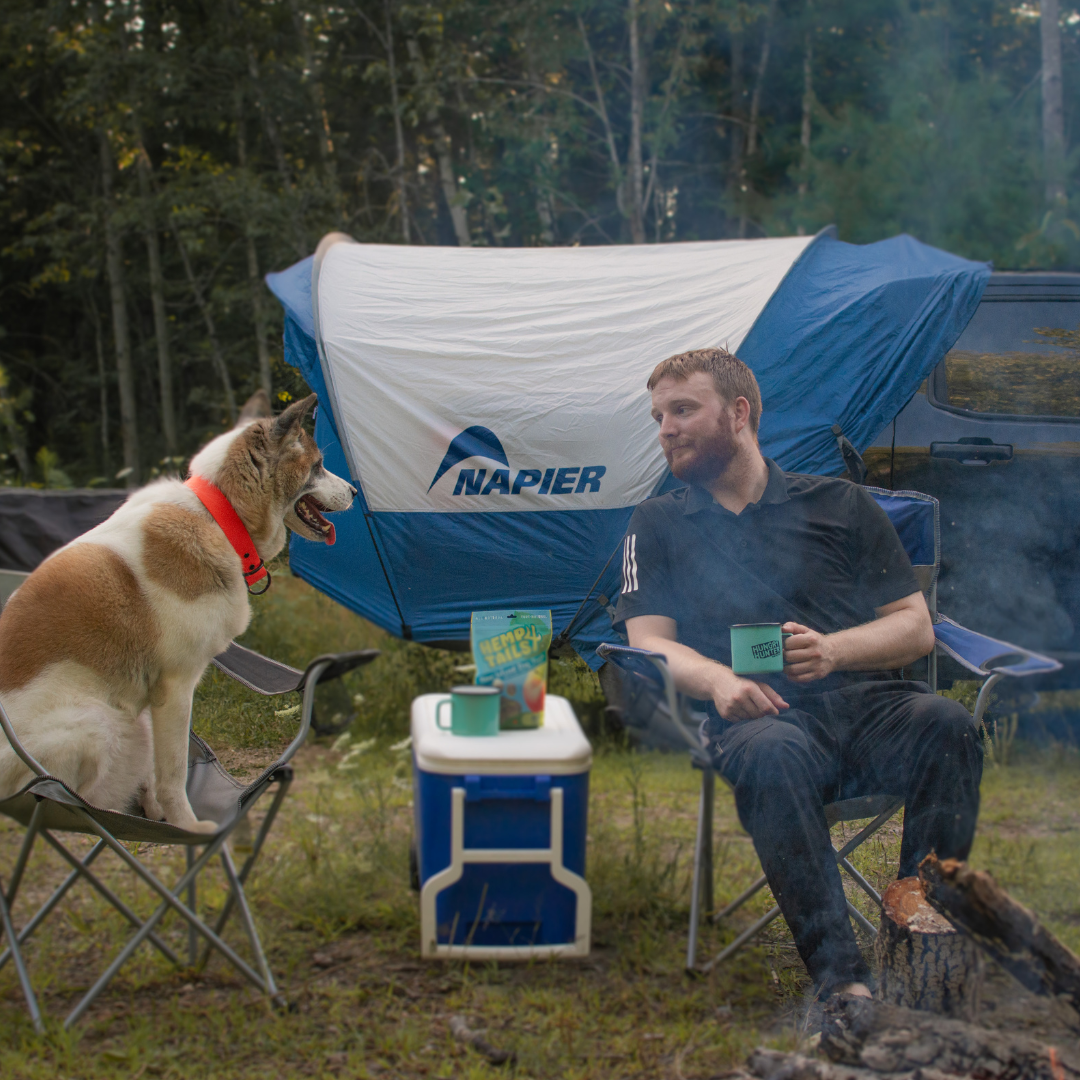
[[490, 404]]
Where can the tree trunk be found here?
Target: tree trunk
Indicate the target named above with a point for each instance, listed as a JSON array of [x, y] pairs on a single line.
[[274, 138], [103, 389], [609, 133], [635, 160], [114, 265], [1053, 116], [318, 98], [738, 131], [399, 133], [258, 315], [211, 331], [923, 963], [759, 82], [807, 106], [157, 302], [443, 153], [1006, 930]]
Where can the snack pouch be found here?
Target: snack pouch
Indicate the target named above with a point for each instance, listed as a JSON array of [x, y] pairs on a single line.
[[510, 651]]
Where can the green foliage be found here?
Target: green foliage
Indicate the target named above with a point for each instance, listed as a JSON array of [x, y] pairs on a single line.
[[235, 135]]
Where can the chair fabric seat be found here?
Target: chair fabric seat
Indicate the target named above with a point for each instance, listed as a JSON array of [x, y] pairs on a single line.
[[213, 793], [867, 806]]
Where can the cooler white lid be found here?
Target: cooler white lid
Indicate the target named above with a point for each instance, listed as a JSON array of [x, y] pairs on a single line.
[[557, 748]]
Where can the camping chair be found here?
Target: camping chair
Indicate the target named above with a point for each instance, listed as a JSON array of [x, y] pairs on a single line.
[[916, 518], [47, 805]]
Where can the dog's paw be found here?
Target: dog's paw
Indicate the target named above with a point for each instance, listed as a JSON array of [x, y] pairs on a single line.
[[203, 827]]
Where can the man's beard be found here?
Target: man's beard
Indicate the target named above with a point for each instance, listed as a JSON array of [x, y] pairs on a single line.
[[710, 459]]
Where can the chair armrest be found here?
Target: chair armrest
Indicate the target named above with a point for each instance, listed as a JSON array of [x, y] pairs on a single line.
[[653, 668], [983, 655], [258, 672], [270, 677], [340, 663]]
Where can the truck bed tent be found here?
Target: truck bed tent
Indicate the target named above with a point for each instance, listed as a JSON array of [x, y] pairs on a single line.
[[490, 404]]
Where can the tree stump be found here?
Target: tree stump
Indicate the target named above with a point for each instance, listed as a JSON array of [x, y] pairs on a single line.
[[923, 963]]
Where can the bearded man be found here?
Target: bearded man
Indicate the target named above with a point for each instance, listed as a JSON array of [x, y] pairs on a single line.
[[746, 542]]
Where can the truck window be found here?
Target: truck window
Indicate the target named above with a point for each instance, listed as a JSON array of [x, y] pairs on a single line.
[[1003, 364]]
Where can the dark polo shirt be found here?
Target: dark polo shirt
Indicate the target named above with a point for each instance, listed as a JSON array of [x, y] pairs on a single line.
[[814, 550]]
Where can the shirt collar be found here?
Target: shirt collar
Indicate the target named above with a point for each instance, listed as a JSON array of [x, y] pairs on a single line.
[[776, 491]]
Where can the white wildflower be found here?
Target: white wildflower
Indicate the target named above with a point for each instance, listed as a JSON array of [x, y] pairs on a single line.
[[285, 713]]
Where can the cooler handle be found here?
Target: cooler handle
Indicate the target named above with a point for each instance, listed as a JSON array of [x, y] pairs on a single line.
[[540, 790]]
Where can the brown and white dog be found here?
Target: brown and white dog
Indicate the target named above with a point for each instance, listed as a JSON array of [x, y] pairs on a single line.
[[102, 646]]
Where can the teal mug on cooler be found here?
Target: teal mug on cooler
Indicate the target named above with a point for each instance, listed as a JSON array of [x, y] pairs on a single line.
[[474, 710], [757, 648]]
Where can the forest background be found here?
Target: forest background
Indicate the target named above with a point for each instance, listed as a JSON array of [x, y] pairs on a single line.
[[158, 157]]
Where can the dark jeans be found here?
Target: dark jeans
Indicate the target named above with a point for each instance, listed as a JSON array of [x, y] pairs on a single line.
[[871, 738]]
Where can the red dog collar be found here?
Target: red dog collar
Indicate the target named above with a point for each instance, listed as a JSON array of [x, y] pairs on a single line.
[[221, 510]]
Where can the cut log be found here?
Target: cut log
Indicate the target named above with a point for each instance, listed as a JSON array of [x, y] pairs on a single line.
[[865, 1034], [923, 963], [974, 902]]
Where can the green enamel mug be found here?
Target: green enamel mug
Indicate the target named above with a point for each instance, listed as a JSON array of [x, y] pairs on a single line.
[[757, 648], [474, 710]]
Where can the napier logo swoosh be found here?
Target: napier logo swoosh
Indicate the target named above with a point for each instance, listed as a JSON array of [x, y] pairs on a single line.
[[475, 441]]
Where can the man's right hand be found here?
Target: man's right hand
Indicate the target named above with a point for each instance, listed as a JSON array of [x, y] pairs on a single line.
[[737, 698]]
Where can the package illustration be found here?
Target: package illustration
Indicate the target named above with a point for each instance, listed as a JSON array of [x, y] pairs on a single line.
[[510, 652]]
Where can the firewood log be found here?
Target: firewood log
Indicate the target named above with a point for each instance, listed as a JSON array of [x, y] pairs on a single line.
[[974, 902], [923, 962], [866, 1034]]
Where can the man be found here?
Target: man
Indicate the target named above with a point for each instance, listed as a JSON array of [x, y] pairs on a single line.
[[747, 542]]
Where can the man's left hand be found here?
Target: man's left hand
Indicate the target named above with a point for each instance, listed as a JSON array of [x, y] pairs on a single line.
[[808, 655]]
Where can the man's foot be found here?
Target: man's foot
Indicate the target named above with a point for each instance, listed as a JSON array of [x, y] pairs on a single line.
[[855, 989]]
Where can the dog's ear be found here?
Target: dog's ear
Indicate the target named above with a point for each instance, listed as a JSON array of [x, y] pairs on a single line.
[[291, 419], [257, 407]]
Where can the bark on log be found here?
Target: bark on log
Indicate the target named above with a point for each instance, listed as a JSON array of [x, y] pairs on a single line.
[[923, 962], [972, 901], [872, 1035]]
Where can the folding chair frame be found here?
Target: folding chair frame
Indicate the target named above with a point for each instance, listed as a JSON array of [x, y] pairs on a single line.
[[256, 672], [986, 658], [880, 808]]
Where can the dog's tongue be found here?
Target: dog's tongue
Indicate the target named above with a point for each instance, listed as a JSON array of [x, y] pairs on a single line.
[[331, 536]]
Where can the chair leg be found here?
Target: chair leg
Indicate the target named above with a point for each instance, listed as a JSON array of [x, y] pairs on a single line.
[[703, 869], [20, 967], [708, 780], [861, 919], [741, 899], [861, 881], [741, 940], [171, 900], [249, 862], [249, 922], [23, 858], [82, 869], [192, 937], [841, 857]]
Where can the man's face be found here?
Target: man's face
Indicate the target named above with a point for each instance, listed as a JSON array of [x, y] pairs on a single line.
[[697, 431]]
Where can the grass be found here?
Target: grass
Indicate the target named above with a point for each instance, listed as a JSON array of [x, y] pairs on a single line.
[[332, 898]]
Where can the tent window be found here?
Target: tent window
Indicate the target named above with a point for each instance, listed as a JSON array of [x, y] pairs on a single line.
[[1003, 364]]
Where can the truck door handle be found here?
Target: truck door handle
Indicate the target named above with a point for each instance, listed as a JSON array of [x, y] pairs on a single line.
[[972, 450]]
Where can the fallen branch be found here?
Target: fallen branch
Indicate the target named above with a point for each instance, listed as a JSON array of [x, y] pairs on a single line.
[[461, 1031], [866, 1034], [776, 1065], [974, 902]]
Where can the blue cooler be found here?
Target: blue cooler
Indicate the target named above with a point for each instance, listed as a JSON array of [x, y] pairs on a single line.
[[500, 837]]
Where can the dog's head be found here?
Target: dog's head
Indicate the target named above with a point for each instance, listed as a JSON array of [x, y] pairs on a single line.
[[272, 472]]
